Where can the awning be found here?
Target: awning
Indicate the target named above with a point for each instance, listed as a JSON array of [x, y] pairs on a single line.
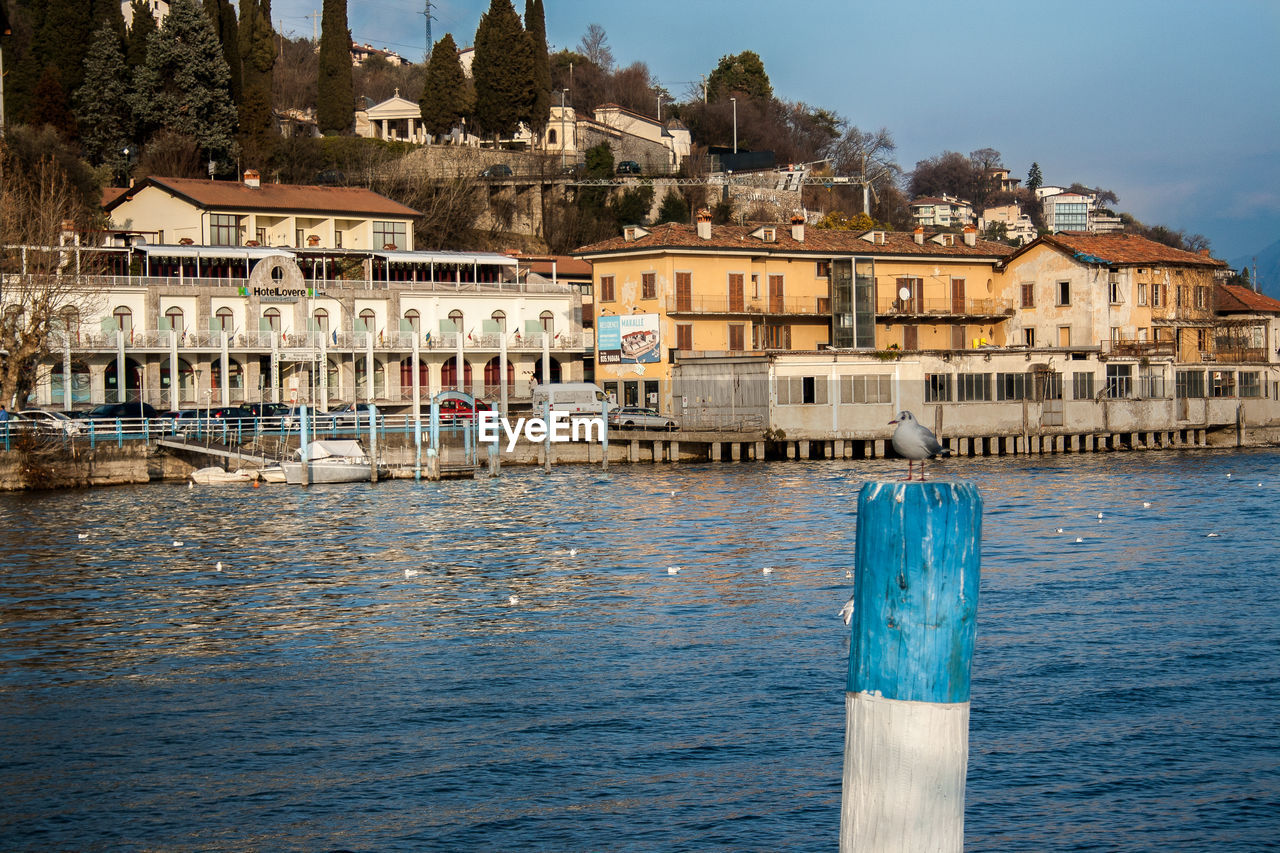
[[253, 253], [489, 259]]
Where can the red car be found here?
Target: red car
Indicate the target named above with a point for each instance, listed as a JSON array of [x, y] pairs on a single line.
[[454, 409]]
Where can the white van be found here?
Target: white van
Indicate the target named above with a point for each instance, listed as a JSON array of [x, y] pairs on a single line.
[[585, 398]]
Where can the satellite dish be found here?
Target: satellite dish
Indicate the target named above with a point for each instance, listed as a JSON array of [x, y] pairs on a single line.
[[904, 293]]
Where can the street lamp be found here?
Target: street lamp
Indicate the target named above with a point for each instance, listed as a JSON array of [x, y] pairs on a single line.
[[735, 124], [563, 92]]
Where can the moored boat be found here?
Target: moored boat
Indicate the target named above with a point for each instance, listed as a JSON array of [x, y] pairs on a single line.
[[215, 476], [329, 461]]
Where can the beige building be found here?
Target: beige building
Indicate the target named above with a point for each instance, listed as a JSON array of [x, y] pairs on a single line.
[[251, 213]]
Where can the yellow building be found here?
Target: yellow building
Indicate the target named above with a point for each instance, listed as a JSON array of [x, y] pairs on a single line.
[[705, 288]]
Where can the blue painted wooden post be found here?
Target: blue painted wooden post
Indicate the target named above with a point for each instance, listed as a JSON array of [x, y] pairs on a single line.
[[604, 434], [907, 700], [417, 446], [304, 457]]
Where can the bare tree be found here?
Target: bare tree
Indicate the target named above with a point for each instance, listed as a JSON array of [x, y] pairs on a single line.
[[869, 157], [42, 272], [595, 47]]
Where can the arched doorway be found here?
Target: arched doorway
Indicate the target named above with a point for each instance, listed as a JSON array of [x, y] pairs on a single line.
[[235, 385], [449, 375], [132, 384], [81, 385], [186, 390], [379, 379], [493, 377], [406, 377], [537, 371]]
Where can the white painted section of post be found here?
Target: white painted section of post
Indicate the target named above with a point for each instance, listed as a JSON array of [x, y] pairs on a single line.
[[460, 362], [502, 372], [121, 382], [323, 403], [546, 357], [66, 375], [175, 382], [417, 384], [889, 811], [368, 368], [226, 371]]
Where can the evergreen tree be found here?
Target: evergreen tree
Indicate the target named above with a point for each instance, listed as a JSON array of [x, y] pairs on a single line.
[[1035, 180], [49, 105], [108, 12], [502, 70], [223, 16], [135, 53], [443, 100], [674, 208], [743, 74], [102, 102], [336, 111], [535, 25], [62, 41], [258, 50], [184, 85]]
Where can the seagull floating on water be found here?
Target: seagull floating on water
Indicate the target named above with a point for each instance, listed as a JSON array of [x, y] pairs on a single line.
[[82, 535], [513, 599], [1079, 539], [673, 570], [218, 566], [914, 441], [767, 570], [846, 612], [177, 544], [1146, 504], [573, 552], [1099, 516], [411, 573], [1212, 536], [1059, 529]]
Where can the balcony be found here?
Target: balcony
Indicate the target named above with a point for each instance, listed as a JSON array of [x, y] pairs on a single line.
[[1242, 355], [311, 343], [1130, 348], [959, 307], [806, 306]]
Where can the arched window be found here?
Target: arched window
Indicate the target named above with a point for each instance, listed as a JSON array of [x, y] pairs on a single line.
[[379, 379], [124, 319], [70, 318], [415, 320], [499, 317], [226, 320], [322, 320], [449, 375], [369, 320], [174, 316], [272, 316], [548, 323], [493, 376], [551, 136], [186, 391], [236, 374], [455, 317]]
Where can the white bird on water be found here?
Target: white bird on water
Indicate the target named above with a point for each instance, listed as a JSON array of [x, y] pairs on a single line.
[[673, 570], [218, 566], [767, 570], [411, 573], [82, 535], [177, 544], [573, 552], [513, 599], [914, 441]]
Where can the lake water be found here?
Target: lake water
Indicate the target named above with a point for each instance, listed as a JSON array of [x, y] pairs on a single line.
[[357, 678]]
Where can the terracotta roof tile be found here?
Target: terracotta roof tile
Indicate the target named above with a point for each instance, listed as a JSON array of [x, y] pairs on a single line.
[[1237, 299], [223, 195], [110, 194], [816, 241], [1120, 250]]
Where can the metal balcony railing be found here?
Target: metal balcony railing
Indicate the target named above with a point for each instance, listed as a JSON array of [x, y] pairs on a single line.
[[816, 305], [955, 307]]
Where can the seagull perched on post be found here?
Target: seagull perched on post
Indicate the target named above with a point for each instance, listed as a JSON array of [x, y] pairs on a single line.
[[914, 441]]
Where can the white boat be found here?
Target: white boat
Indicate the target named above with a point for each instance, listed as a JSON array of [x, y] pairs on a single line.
[[329, 461], [216, 476], [272, 474]]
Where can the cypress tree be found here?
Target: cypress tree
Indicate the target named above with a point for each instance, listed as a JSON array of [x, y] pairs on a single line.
[[258, 50], [535, 25], [503, 70], [336, 110], [135, 53], [63, 40], [674, 208], [443, 90], [102, 102], [223, 16], [184, 85]]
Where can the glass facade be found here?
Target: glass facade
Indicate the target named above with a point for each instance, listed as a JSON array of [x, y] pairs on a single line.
[[853, 303]]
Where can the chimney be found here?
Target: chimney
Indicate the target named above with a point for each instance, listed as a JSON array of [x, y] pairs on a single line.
[[1204, 253], [797, 228], [970, 235], [251, 178], [919, 235], [704, 224]]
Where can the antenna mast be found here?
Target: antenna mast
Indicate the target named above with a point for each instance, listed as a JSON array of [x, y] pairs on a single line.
[[427, 13]]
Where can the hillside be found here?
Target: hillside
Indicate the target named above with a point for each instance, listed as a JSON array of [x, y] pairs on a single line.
[[1268, 261]]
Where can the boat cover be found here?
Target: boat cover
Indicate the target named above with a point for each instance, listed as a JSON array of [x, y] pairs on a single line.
[[329, 447]]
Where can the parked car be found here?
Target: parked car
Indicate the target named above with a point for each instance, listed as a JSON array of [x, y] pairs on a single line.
[[497, 170], [233, 416], [454, 409], [348, 416], [135, 410], [628, 167], [635, 417], [268, 410], [573, 169], [51, 421]]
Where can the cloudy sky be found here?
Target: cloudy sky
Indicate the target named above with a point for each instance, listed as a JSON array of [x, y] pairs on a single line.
[[1172, 104]]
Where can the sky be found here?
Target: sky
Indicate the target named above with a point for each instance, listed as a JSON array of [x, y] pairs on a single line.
[[1173, 105]]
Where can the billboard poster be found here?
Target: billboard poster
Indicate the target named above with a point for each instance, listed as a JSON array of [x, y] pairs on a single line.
[[629, 339]]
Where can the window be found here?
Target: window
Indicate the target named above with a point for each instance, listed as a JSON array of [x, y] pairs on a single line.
[[776, 300], [551, 136], [1151, 384], [1113, 288], [175, 318], [1028, 294], [684, 336], [755, 286], [822, 269], [500, 318], [1202, 339], [973, 387], [737, 299], [1202, 299], [370, 320], [1064, 293], [1250, 383], [1082, 386], [1184, 296], [1189, 383], [866, 389], [261, 237], [224, 229], [1223, 383], [1012, 386], [224, 321], [1047, 385], [684, 291], [1119, 381], [1157, 295], [455, 320], [337, 239], [272, 316], [548, 321], [414, 320], [1142, 293], [777, 337], [937, 387], [736, 337], [390, 235], [648, 286], [124, 319], [606, 288], [322, 319], [1029, 337], [802, 390]]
